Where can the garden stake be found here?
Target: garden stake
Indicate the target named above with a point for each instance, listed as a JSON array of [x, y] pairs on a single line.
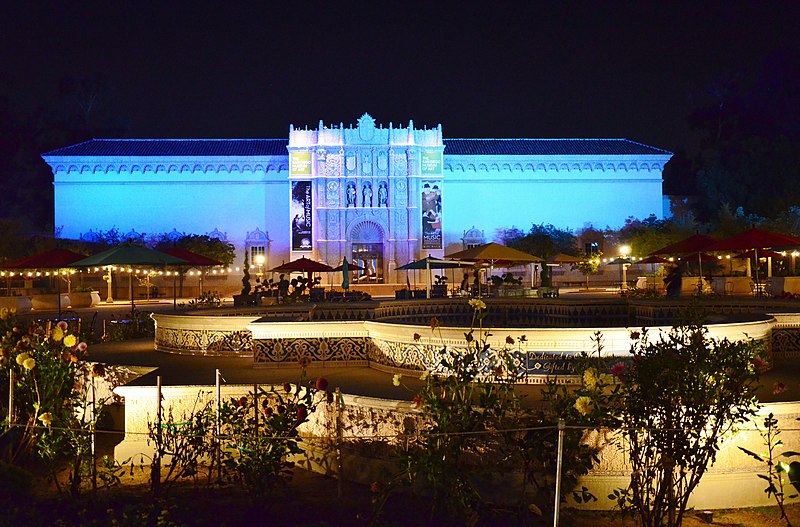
[[255, 408], [94, 439], [10, 399], [559, 460], [338, 442], [156, 469], [217, 441]]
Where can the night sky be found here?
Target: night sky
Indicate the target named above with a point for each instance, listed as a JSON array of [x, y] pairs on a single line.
[[488, 69]]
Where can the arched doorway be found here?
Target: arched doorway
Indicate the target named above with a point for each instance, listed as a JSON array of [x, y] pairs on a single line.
[[366, 244]]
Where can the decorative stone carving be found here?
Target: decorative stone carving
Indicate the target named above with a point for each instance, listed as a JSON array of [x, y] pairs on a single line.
[[366, 127], [332, 193], [383, 162], [366, 163]]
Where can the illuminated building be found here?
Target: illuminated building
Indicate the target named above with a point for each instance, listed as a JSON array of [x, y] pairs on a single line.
[[380, 195]]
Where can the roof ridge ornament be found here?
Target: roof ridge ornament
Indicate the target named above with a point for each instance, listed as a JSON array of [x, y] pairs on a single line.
[[366, 127]]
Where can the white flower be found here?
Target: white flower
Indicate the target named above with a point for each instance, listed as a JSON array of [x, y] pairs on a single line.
[[396, 379], [46, 418], [477, 304]]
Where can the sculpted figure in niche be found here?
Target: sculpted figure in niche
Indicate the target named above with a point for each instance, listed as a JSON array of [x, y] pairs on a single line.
[[351, 195], [366, 195], [383, 195]]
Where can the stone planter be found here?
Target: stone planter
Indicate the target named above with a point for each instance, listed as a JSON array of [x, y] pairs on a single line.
[[49, 302], [84, 299], [22, 304]]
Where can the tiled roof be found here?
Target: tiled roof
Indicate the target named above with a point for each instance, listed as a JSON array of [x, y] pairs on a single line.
[[174, 147], [548, 147], [272, 147]]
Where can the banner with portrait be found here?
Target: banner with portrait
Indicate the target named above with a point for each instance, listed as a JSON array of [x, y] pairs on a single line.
[[300, 212], [431, 214]]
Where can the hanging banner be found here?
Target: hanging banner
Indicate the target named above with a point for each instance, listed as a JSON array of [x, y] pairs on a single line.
[[431, 163], [431, 214], [300, 163], [300, 212]]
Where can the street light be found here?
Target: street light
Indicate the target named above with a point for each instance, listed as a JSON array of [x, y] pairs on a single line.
[[624, 251]]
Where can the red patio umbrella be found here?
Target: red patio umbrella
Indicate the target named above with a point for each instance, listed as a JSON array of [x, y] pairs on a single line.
[[696, 243], [194, 260], [755, 239], [56, 258], [761, 254], [303, 265]]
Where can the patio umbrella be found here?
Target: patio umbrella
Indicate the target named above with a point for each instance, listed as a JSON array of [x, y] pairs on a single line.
[[428, 263], [345, 274], [133, 255], [57, 258], [653, 260], [694, 244], [755, 239], [494, 254], [303, 265], [195, 260]]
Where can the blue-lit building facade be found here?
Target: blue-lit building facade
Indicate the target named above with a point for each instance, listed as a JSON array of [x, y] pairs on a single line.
[[380, 195]]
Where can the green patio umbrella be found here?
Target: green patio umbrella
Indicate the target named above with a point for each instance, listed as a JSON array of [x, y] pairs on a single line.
[[133, 255]]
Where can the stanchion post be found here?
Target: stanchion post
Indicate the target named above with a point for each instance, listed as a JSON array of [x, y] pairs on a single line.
[[156, 469], [93, 445], [339, 406], [218, 427], [559, 461], [255, 408], [10, 399]]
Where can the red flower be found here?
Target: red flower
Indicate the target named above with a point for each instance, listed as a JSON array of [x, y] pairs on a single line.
[[329, 397], [434, 323], [417, 337], [302, 413], [778, 388], [417, 401], [287, 387], [509, 340], [268, 410], [618, 369], [322, 384], [242, 401], [523, 338], [281, 409]]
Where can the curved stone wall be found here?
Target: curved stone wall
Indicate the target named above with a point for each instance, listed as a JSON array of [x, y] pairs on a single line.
[[731, 482]]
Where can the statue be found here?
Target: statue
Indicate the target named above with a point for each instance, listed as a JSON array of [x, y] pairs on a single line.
[[351, 195], [383, 195], [366, 195]]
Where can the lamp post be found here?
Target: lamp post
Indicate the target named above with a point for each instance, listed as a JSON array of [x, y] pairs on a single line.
[[624, 251]]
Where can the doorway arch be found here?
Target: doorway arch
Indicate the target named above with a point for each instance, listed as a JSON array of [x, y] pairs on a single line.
[[367, 250]]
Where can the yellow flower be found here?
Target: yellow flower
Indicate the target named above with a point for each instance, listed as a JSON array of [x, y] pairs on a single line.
[[584, 405], [477, 304], [29, 363], [57, 334], [22, 357], [396, 379], [46, 418], [424, 376], [70, 341], [590, 379]]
